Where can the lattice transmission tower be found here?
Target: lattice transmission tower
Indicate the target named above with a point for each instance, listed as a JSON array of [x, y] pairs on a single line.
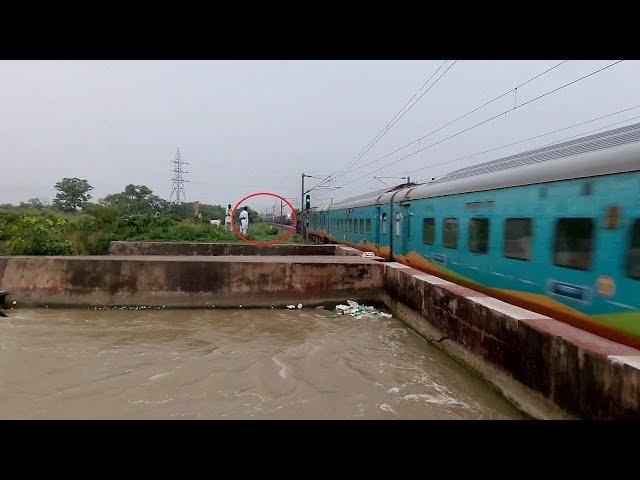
[[177, 191]]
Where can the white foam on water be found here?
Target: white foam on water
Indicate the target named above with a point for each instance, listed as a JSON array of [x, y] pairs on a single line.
[[387, 408], [159, 375], [435, 399], [282, 366]]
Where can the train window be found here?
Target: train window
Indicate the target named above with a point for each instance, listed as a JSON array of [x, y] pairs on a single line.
[[450, 233], [479, 235], [574, 242], [361, 225], [368, 227], [633, 263], [428, 231], [398, 217], [384, 223], [587, 189], [518, 240]]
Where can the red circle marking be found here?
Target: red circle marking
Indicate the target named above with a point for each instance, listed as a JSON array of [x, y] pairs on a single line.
[[277, 241]]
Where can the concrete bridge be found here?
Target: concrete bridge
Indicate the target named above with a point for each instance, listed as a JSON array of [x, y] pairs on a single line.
[[547, 368]]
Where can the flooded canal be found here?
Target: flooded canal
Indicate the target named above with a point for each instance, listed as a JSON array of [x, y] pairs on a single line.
[[236, 364]]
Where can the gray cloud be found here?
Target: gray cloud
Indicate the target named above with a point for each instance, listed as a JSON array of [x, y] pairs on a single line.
[[248, 126]]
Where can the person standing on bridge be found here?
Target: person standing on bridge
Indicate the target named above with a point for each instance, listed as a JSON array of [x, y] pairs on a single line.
[[244, 221]]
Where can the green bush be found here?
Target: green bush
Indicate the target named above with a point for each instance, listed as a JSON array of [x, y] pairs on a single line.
[[46, 231], [185, 231], [38, 235]]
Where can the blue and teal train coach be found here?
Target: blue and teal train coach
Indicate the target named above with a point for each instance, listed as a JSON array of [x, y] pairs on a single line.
[[555, 230]]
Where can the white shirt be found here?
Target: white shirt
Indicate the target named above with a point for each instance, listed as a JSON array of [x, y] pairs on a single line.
[[244, 216]]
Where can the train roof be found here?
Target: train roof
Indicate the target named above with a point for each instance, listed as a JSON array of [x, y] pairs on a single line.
[[370, 198], [613, 151]]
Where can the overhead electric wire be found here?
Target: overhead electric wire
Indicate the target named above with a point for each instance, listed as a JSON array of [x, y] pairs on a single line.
[[386, 128], [526, 139], [479, 107], [581, 134], [392, 122], [484, 122]]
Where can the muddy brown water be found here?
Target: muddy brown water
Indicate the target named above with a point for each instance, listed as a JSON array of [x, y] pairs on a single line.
[[235, 364]]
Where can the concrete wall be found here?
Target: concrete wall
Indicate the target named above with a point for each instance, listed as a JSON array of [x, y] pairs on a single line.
[[188, 281], [585, 374], [195, 248]]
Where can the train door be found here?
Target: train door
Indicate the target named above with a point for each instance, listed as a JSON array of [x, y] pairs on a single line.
[[376, 234], [394, 230], [397, 246], [405, 229]]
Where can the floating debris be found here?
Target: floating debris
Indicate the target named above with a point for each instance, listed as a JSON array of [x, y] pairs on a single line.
[[299, 306], [359, 311], [291, 307]]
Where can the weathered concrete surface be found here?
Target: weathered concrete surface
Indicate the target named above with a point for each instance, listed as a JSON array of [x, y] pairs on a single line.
[[196, 248], [587, 375], [188, 281]]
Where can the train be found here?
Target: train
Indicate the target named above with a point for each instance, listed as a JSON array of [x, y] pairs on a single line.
[[555, 230]]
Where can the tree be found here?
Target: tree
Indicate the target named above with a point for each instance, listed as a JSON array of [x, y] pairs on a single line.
[[34, 203], [212, 211], [136, 199], [137, 192], [72, 194], [159, 204]]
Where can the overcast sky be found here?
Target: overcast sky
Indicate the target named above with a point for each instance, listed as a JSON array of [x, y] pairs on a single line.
[[247, 126]]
